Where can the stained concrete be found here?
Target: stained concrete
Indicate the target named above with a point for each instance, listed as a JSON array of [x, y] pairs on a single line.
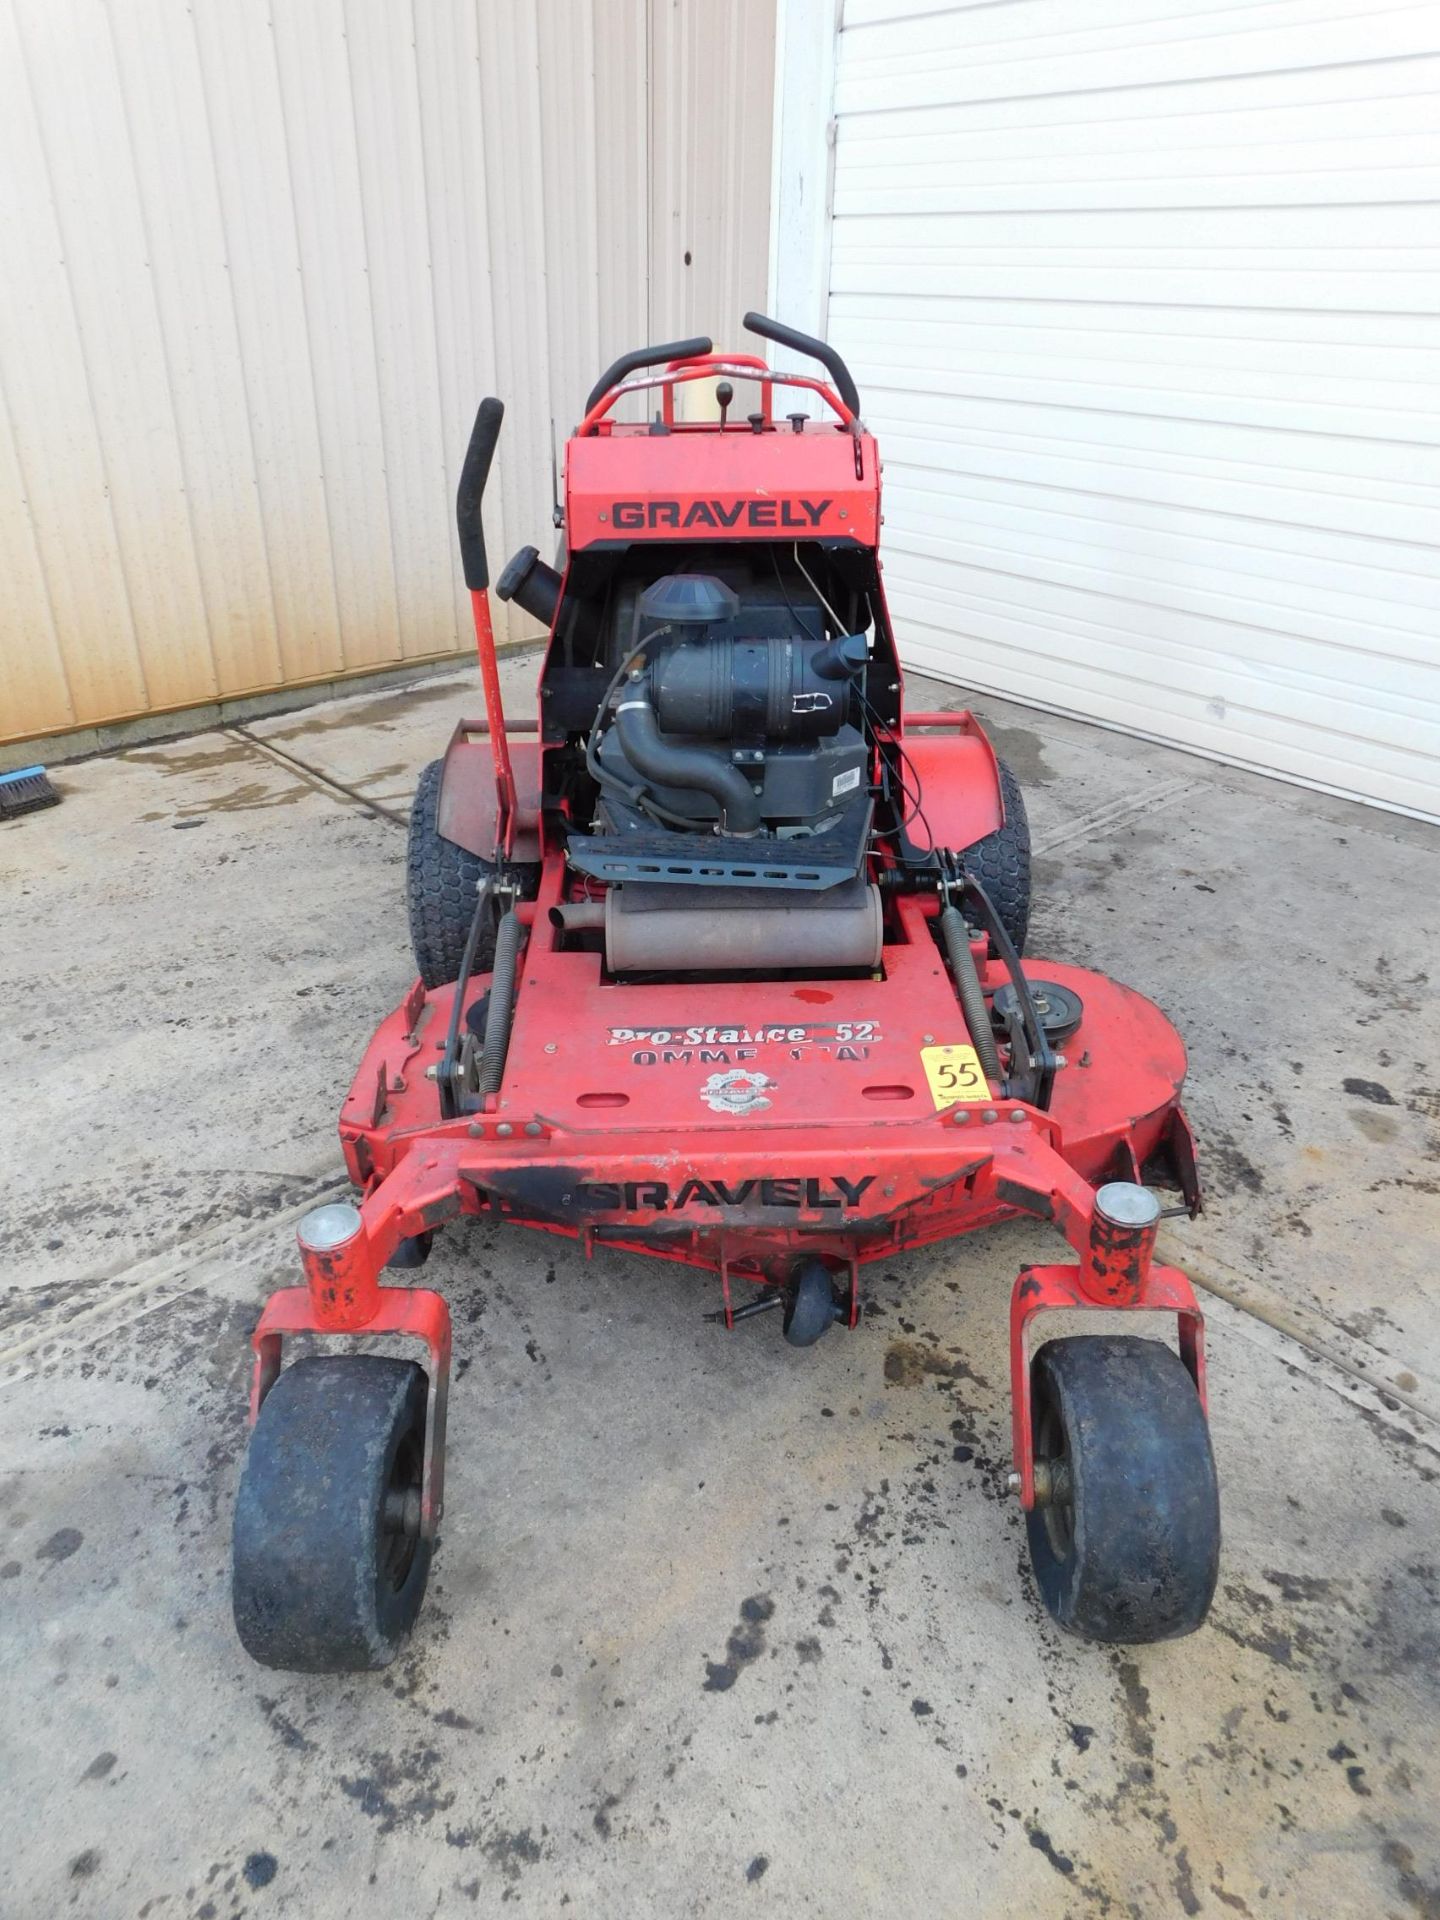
[[116, 736], [714, 1627]]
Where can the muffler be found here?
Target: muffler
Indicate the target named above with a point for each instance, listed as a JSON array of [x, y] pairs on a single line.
[[659, 929]]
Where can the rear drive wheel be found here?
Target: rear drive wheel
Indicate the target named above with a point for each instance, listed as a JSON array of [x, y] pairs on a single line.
[[1127, 1548], [329, 1565], [441, 882], [1001, 861]]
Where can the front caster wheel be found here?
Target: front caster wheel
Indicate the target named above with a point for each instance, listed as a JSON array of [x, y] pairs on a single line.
[[1127, 1545], [329, 1564]]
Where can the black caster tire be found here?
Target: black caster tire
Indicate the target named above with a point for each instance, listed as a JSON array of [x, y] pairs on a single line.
[[1130, 1552], [329, 1567], [1001, 861], [412, 1252]]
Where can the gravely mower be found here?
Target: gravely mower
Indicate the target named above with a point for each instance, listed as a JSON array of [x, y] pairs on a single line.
[[720, 960]]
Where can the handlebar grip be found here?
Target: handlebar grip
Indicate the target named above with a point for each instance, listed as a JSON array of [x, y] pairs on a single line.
[[645, 357], [805, 343], [471, 491]]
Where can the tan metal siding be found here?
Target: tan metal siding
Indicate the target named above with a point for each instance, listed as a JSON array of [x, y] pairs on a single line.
[[712, 107], [260, 264]]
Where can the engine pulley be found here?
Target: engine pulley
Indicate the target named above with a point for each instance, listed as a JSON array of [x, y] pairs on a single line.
[[1060, 1010]]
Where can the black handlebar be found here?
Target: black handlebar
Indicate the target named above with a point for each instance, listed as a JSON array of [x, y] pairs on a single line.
[[645, 357], [791, 337], [473, 475]]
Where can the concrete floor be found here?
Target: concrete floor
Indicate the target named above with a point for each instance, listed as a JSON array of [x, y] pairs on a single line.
[[715, 1628]]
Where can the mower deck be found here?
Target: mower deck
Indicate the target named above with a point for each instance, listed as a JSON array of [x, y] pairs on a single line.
[[839, 1145], [700, 1117]]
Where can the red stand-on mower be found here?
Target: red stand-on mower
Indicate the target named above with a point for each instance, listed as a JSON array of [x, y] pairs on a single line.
[[720, 960]]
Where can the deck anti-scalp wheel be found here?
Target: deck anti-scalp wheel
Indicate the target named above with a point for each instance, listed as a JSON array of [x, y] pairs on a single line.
[[329, 1564], [1126, 1545]]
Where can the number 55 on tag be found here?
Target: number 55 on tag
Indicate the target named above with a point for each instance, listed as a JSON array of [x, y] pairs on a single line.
[[955, 1074]]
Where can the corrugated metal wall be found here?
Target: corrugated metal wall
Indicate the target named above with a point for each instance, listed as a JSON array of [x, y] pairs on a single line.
[[1142, 300], [259, 264]]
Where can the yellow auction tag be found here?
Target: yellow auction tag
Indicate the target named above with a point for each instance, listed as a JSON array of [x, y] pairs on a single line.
[[954, 1074]]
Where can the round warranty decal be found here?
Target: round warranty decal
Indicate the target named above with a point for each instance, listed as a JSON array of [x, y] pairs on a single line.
[[738, 1091]]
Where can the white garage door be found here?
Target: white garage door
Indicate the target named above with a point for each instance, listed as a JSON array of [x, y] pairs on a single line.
[[1141, 299]]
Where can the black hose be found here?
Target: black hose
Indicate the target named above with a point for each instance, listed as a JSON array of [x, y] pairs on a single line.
[[449, 1106], [692, 768], [635, 795], [955, 934], [508, 940]]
